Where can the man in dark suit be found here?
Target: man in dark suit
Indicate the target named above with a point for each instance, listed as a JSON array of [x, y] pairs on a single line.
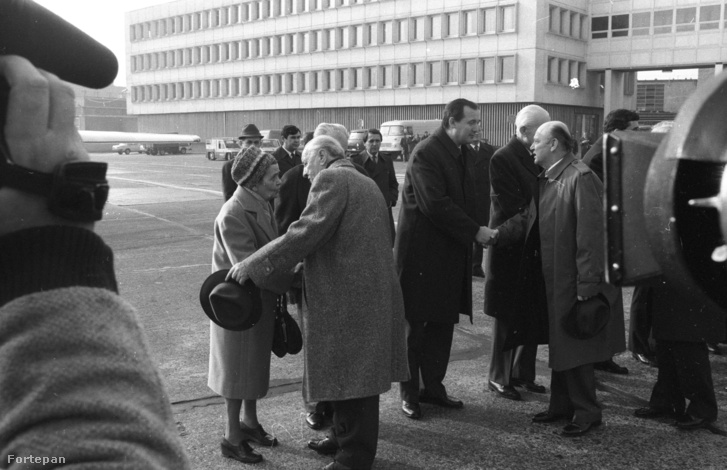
[[482, 155], [433, 251], [640, 323], [250, 136], [287, 154], [513, 182], [380, 169]]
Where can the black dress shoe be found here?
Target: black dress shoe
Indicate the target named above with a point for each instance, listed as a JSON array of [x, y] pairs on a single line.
[[444, 402], [576, 430], [505, 391], [610, 366], [644, 359], [478, 272], [411, 410], [693, 423], [529, 386], [314, 420], [548, 417], [258, 435], [326, 446], [241, 452]]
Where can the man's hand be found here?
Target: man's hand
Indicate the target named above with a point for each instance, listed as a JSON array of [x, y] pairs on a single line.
[[238, 273], [40, 134], [485, 236]]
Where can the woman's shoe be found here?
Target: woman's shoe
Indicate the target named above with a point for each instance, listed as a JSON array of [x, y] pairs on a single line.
[[258, 435], [242, 452]]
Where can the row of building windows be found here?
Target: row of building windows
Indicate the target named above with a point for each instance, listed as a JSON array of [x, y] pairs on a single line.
[[705, 17], [447, 25], [483, 70], [566, 72], [567, 22], [232, 14], [650, 97]]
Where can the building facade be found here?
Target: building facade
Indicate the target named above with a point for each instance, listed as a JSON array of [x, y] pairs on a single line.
[[209, 67]]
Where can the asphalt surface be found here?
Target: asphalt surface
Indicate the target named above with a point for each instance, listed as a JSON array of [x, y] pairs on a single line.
[[159, 222]]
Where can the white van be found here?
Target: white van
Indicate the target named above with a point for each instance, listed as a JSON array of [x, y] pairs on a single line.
[[393, 131], [221, 147]]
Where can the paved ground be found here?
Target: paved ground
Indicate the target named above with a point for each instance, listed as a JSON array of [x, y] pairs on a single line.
[[159, 223]]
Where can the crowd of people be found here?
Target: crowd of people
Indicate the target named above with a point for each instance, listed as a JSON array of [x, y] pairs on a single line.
[[534, 204]]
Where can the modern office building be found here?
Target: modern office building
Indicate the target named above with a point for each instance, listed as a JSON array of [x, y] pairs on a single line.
[[210, 66]]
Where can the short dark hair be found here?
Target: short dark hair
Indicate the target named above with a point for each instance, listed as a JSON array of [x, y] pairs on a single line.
[[455, 109], [618, 120], [289, 130], [559, 133], [372, 131]]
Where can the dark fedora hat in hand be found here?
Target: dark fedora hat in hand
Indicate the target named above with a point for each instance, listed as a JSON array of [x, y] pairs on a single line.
[[228, 304], [588, 317]]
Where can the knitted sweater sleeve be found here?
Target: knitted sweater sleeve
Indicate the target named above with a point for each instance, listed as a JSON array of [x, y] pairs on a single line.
[[78, 387]]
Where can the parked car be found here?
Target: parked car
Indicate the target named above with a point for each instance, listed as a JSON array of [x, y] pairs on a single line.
[[168, 149], [222, 147], [269, 145], [128, 148], [356, 142]]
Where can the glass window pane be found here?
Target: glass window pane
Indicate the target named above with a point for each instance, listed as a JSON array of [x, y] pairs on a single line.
[[490, 20], [436, 23], [663, 21], [470, 68], [435, 73], [619, 22], [488, 70], [508, 18], [709, 13], [599, 23], [686, 19], [507, 69]]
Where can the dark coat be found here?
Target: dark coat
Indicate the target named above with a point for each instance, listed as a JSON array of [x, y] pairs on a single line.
[[285, 162], [353, 314], [677, 316], [382, 173], [436, 231], [594, 158], [228, 184], [513, 181], [482, 158], [292, 198]]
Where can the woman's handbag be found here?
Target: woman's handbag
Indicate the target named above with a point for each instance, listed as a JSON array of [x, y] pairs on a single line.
[[287, 338]]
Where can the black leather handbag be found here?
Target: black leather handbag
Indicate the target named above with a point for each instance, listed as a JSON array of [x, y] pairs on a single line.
[[287, 338]]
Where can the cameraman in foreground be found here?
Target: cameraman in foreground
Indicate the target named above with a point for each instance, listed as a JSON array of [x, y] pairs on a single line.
[[77, 383]]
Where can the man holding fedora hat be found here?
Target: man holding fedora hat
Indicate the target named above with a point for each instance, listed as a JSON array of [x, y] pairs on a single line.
[[250, 137], [354, 341], [585, 314]]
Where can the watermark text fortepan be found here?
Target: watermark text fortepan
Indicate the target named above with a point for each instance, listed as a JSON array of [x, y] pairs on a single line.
[[13, 459]]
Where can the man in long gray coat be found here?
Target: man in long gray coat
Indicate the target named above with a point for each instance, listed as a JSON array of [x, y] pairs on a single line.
[[570, 214], [353, 316]]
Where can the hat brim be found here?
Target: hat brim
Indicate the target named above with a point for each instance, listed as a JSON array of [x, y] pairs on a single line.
[[232, 322], [243, 137]]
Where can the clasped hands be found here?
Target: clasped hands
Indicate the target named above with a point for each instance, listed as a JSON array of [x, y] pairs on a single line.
[[486, 236]]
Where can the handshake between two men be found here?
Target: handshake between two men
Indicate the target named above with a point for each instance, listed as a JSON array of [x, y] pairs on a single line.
[[486, 236]]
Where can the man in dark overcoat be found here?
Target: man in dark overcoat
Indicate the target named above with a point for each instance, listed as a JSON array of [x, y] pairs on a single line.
[[287, 154], [482, 153], [513, 182], [380, 169], [433, 251]]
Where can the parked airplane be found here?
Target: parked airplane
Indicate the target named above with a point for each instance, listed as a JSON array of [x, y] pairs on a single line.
[[154, 143]]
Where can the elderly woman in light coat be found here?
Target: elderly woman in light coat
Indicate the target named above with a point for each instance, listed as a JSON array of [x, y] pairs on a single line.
[[239, 363]]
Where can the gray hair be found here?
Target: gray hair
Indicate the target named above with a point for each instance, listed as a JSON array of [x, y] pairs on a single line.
[[532, 115], [327, 143], [336, 131]]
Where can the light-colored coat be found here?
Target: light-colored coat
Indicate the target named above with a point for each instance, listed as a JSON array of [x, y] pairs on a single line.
[[572, 244], [570, 218], [353, 312], [239, 362]]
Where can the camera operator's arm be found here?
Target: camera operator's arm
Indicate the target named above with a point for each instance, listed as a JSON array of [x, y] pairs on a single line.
[[40, 134], [77, 382]]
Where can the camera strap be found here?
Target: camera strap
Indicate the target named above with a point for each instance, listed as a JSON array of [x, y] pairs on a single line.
[[76, 190]]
